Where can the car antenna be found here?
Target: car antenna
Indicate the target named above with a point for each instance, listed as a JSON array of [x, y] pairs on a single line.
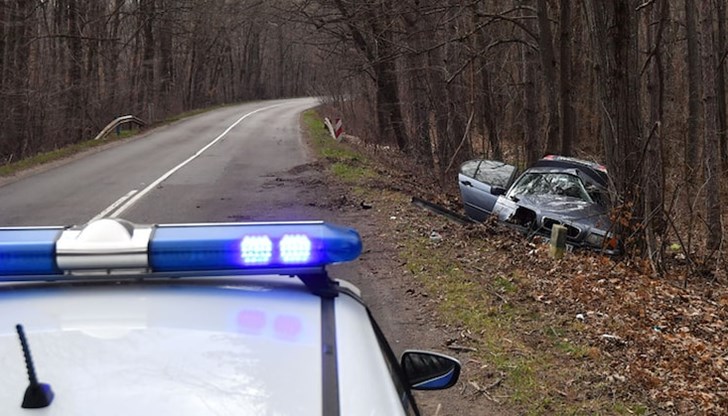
[[37, 395]]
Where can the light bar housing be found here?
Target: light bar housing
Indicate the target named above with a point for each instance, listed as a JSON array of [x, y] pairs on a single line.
[[105, 244], [110, 247], [28, 251]]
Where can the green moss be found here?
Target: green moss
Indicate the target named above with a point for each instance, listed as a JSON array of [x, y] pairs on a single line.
[[505, 285], [350, 173]]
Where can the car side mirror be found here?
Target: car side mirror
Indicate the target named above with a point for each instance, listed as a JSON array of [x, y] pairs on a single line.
[[497, 190], [424, 370]]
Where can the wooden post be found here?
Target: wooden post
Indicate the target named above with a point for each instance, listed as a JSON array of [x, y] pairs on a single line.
[[558, 241]]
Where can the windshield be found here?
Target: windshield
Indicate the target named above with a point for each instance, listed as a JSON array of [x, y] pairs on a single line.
[[549, 183]]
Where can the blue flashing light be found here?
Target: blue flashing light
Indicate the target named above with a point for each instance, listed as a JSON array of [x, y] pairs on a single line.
[[256, 249], [251, 245], [28, 251], [295, 249]]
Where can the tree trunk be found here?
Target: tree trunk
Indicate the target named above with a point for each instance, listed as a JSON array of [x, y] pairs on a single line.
[[18, 80], [147, 92], [419, 73], [530, 100], [3, 49], [711, 135], [490, 114], [614, 35], [76, 92], [166, 67], [568, 116], [720, 84], [691, 138], [653, 169], [548, 61], [390, 113], [4, 145]]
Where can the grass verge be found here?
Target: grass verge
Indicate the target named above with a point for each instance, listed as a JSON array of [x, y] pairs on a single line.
[[64, 152], [344, 163]]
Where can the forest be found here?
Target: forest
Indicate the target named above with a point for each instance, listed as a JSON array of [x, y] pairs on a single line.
[[638, 85]]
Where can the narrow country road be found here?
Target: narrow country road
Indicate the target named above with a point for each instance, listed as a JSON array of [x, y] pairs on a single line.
[[214, 166]]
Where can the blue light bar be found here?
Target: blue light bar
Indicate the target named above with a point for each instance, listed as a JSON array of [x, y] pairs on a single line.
[[28, 251], [111, 247], [251, 246]]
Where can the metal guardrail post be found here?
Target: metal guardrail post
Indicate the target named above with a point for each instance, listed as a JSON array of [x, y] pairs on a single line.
[[557, 244], [117, 123]]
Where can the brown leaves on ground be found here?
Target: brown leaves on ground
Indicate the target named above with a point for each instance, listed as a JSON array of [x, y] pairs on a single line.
[[673, 342]]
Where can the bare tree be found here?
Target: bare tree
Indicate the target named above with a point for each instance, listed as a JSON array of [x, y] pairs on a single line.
[[548, 61], [487, 99], [613, 27], [711, 133], [720, 82], [693, 120], [568, 117], [418, 69], [371, 27], [147, 18], [653, 170], [530, 58]]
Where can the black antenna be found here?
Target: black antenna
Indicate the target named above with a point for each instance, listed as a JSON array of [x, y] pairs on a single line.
[[37, 395]]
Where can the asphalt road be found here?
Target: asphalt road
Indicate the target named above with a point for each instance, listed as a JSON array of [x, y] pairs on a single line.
[[216, 166]]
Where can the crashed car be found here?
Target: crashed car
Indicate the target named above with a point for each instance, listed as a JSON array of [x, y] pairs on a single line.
[[555, 190]]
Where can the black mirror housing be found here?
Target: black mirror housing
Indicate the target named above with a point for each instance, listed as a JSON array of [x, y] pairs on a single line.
[[424, 370], [497, 190]]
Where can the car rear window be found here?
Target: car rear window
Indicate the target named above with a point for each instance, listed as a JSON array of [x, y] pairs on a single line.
[[492, 172]]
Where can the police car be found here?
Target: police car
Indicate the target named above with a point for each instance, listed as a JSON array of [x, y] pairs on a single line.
[[194, 319]]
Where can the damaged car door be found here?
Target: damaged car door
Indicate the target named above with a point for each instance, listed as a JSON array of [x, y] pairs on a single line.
[[481, 183]]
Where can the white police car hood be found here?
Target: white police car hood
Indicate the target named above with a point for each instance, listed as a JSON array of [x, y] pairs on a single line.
[[181, 350]]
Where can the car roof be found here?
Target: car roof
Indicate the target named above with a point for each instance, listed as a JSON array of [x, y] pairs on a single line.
[[552, 169], [221, 346], [594, 171]]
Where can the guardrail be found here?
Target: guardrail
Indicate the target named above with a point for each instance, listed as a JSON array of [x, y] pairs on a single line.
[[437, 209], [118, 123]]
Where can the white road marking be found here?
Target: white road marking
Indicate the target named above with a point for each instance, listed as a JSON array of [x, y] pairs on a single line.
[[113, 206], [127, 201]]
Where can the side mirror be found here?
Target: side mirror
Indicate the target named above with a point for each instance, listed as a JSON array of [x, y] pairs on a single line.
[[497, 190], [425, 370]]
